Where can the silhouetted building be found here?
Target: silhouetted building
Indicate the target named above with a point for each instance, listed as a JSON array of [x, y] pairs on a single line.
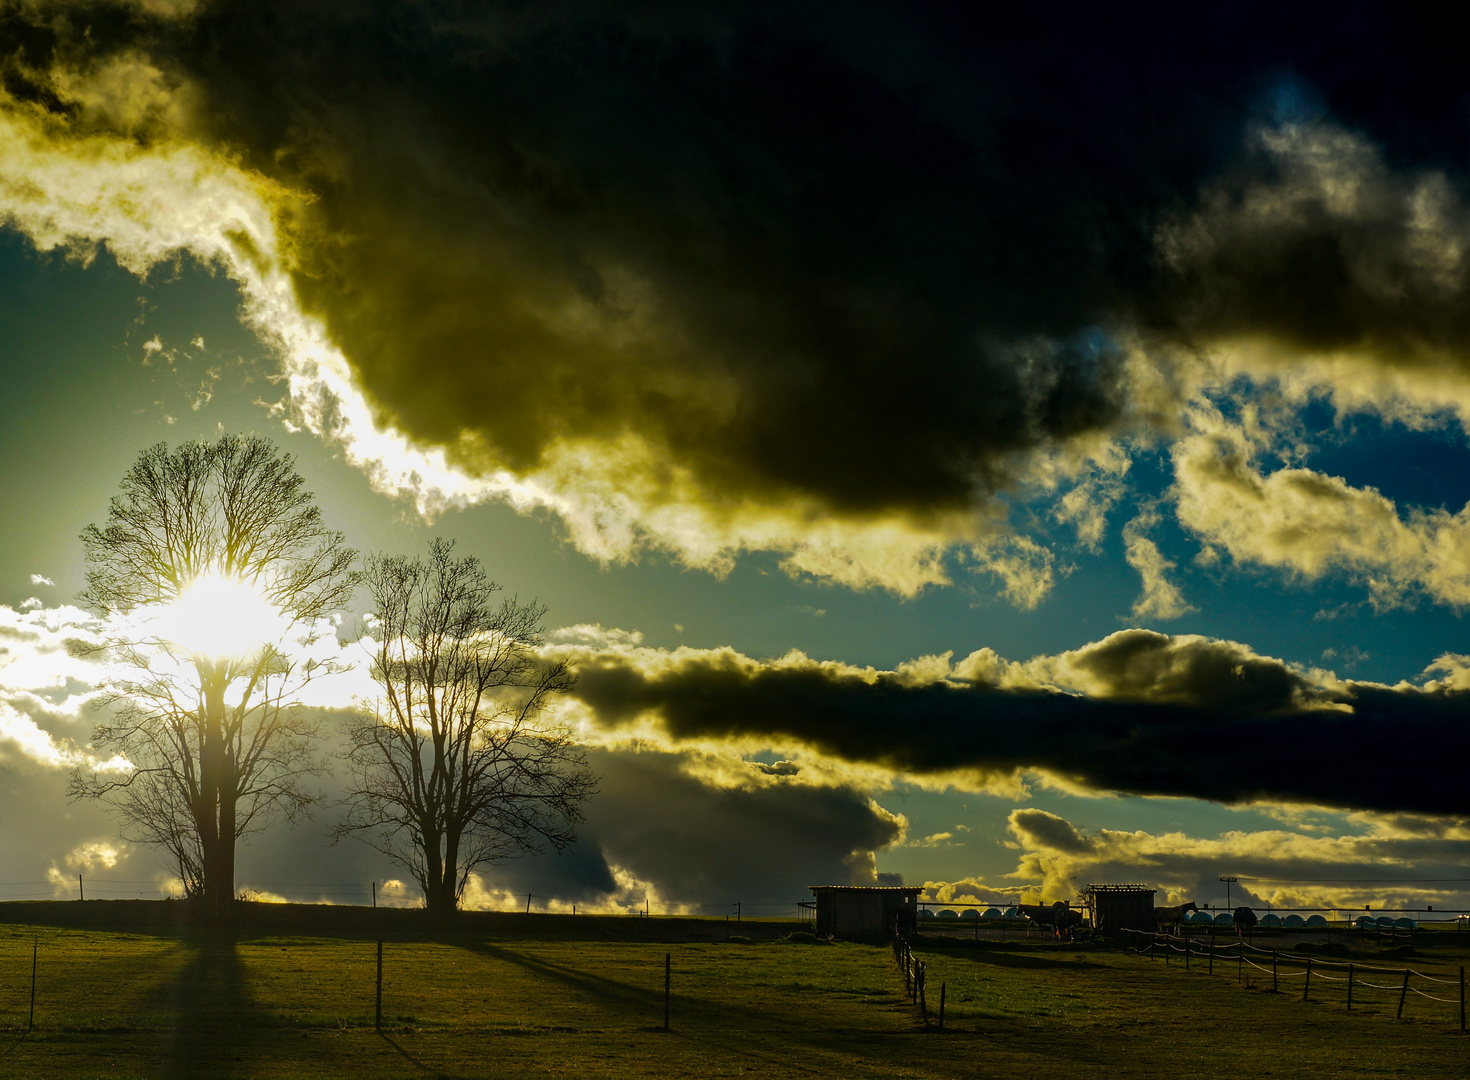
[[1121, 907], [865, 910]]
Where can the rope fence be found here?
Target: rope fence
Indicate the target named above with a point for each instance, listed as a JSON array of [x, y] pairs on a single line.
[[1247, 955]]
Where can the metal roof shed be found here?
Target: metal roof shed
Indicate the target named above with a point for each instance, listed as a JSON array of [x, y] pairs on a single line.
[[1121, 907], [865, 910]]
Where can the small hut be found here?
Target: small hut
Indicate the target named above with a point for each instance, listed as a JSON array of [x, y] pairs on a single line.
[[866, 911], [1121, 907]]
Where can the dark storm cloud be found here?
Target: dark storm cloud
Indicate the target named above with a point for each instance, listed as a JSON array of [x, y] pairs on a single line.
[[1162, 717], [707, 843], [724, 236], [833, 251], [863, 259]]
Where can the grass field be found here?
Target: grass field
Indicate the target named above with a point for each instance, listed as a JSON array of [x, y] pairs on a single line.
[[573, 998]]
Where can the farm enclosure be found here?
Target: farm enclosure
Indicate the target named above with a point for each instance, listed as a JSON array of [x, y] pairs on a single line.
[[579, 997]]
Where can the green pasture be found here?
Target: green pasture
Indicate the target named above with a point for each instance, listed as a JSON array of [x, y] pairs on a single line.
[[570, 998]]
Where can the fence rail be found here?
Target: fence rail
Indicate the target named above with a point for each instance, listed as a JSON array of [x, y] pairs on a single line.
[[915, 979]]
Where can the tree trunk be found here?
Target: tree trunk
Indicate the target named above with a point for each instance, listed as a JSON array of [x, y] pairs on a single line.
[[217, 845], [440, 901], [438, 880], [225, 876]]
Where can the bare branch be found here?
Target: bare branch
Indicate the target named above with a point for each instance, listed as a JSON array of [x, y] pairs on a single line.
[[219, 747], [454, 768]]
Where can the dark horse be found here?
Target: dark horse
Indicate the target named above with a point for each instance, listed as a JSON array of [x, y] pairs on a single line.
[[1245, 921], [1059, 916], [1172, 916]]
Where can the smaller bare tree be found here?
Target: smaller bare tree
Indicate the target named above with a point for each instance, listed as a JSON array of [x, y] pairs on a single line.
[[454, 766]]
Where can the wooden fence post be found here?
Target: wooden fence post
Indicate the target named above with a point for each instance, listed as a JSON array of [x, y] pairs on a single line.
[[1212, 950], [941, 1006], [1462, 997], [1307, 984], [35, 947], [1350, 987], [1273, 970], [1403, 993], [668, 967], [378, 1009]]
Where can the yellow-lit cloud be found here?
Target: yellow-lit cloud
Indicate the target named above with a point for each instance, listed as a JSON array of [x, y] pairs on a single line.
[[1161, 598], [1310, 524], [1274, 866]]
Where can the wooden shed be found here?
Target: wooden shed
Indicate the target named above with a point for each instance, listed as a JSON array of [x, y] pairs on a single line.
[[865, 910], [1121, 907]]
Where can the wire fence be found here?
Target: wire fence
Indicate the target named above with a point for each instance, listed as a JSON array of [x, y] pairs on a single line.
[[646, 907], [374, 894], [1284, 967], [47, 980]]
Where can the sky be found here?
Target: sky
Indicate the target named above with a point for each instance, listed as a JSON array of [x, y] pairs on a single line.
[[995, 452]]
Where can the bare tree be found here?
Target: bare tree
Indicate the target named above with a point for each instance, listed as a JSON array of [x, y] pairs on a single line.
[[454, 766], [217, 742]]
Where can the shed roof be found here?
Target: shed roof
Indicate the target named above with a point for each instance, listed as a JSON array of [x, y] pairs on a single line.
[[907, 890]]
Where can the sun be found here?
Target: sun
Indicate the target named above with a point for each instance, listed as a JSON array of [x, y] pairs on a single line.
[[220, 618]]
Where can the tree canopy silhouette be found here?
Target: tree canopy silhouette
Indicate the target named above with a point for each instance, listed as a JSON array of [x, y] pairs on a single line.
[[454, 766], [213, 572]]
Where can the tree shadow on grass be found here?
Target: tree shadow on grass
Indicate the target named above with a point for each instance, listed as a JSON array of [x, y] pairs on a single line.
[[723, 1027], [211, 1009], [8, 1048], [625, 997], [998, 958]]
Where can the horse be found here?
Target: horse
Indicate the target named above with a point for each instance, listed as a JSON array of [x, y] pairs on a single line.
[[1059, 916], [1245, 921], [1172, 916]]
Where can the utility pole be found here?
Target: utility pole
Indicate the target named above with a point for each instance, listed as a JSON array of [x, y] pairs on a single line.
[[1227, 881]]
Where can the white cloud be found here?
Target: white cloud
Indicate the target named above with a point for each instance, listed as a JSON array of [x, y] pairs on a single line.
[[1161, 598], [41, 579], [596, 635], [18, 732], [1309, 524]]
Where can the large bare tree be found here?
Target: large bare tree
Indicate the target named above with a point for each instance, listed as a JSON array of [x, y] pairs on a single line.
[[208, 716], [454, 766]]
